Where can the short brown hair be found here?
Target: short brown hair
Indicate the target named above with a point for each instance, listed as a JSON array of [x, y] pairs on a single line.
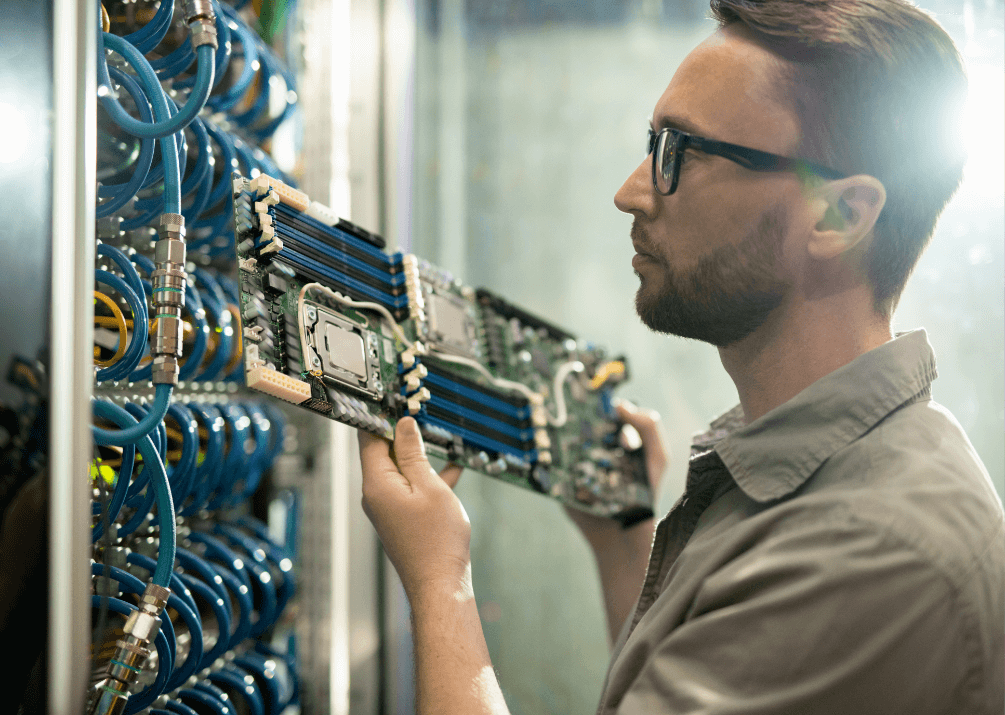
[[877, 86]]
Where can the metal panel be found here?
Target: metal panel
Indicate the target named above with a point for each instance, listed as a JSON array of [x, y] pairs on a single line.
[[73, 199]]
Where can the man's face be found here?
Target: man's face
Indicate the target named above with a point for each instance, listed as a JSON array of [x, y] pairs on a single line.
[[714, 258]]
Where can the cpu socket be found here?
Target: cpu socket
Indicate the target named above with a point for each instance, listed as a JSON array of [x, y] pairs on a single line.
[[349, 356], [452, 325]]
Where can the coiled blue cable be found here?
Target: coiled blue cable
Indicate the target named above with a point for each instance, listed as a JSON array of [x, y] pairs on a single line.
[[267, 605], [233, 677], [273, 682], [236, 460], [198, 696], [158, 481], [215, 304], [221, 612], [150, 35], [228, 567], [182, 475], [164, 126], [245, 37], [175, 707], [138, 338], [169, 153], [118, 195], [139, 430], [207, 473], [165, 650], [223, 51], [118, 494], [193, 302], [145, 562], [131, 584]]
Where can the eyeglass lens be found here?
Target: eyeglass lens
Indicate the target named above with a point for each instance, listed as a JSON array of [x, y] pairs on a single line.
[[663, 164]]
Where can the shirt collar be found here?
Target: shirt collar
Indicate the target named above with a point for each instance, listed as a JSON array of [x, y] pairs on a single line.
[[776, 453]]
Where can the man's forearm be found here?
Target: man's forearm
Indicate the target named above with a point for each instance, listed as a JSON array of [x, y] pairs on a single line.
[[452, 667], [622, 559]]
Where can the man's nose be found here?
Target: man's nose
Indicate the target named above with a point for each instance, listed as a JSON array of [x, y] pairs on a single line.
[[636, 196]]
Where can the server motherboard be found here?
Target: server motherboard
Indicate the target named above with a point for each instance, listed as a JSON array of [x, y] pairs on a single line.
[[334, 323]]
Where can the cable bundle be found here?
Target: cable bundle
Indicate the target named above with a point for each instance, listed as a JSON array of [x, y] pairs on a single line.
[[186, 99]]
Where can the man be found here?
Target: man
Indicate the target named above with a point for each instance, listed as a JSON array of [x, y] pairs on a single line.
[[839, 547]]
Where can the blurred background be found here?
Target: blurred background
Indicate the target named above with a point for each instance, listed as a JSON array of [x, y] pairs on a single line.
[[526, 116]]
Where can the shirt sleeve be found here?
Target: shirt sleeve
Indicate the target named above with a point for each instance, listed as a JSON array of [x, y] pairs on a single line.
[[823, 618]]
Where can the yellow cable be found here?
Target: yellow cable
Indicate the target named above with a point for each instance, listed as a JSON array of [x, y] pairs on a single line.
[[614, 367], [106, 22], [120, 323], [235, 323]]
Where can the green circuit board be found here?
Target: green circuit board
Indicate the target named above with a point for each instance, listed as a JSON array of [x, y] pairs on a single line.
[[334, 323]]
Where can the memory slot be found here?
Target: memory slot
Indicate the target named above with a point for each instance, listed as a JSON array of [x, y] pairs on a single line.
[[353, 288], [505, 402], [476, 426], [380, 263], [478, 405], [477, 439], [393, 284], [334, 235], [484, 421]]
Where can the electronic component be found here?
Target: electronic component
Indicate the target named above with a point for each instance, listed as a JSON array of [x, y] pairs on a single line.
[[367, 337]]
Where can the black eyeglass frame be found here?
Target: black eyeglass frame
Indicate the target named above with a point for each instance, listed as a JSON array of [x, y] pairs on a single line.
[[753, 159]]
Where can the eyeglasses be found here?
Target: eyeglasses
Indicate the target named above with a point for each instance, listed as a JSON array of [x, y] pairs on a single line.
[[668, 145]]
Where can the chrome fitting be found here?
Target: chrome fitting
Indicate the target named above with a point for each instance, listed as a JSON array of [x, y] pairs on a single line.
[[111, 694], [198, 9], [172, 226], [165, 370], [203, 32]]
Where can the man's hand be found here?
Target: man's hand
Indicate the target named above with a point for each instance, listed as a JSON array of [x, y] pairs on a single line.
[[623, 554], [422, 524], [426, 534], [599, 530]]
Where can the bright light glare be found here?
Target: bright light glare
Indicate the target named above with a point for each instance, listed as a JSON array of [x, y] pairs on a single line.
[[15, 133], [982, 126]]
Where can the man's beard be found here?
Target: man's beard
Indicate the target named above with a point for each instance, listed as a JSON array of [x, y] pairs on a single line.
[[726, 296]]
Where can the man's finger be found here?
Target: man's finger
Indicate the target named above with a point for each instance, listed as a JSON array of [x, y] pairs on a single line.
[[451, 474], [410, 452]]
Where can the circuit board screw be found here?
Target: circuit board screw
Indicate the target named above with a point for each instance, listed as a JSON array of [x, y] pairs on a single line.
[[317, 361]]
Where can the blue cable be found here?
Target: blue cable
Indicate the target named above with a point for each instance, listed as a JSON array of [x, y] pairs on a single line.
[[223, 51], [268, 611], [239, 588], [145, 562], [151, 34], [243, 36], [138, 338], [289, 660], [221, 611], [164, 649], [228, 163], [214, 302], [159, 483], [136, 432], [183, 474], [118, 195], [193, 359], [169, 156], [268, 679], [175, 708], [199, 697], [132, 585], [235, 463], [233, 676], [207, 473], [280, 558], [124, 264], [164, 126], [176, 62], [118, 493]]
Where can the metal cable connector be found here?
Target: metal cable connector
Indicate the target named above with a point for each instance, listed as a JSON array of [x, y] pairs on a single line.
[[111, 694], [201, 23], [168, 299]]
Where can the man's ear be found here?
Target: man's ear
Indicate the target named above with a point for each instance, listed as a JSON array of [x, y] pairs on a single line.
[[847, 210]]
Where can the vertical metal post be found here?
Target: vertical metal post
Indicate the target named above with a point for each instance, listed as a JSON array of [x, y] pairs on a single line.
[[73, 198]]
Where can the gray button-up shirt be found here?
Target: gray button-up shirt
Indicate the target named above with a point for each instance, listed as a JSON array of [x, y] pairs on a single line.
[[843, 553]]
